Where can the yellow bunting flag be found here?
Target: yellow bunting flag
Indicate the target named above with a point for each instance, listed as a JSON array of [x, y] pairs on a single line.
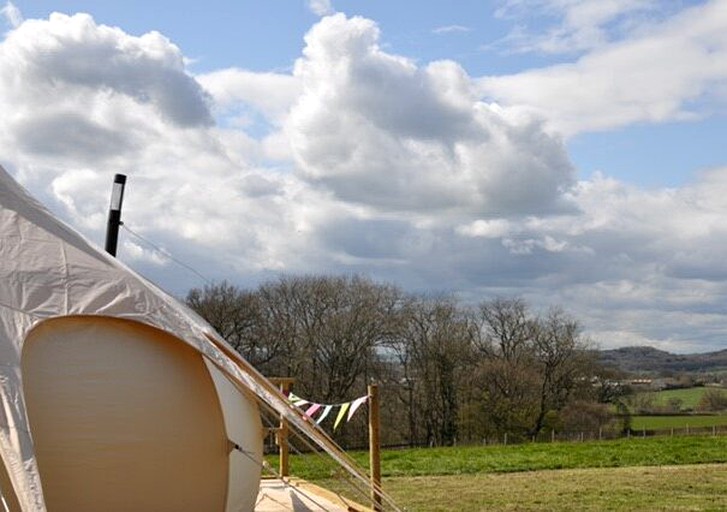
[[341, 414]]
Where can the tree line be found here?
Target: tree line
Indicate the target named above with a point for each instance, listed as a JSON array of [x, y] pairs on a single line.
[[448, 372]]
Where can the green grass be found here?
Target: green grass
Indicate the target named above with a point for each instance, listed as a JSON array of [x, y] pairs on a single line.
[[653, 474], [677, 422], [689, 396], [643, 489], [528, 457]]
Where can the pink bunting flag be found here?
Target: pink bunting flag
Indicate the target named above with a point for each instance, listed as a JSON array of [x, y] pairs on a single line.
[[312, 410]]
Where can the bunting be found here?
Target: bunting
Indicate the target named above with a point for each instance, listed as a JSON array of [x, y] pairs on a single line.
[[311, 409]]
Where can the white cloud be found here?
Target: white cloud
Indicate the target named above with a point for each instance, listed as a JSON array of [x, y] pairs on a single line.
[[321, 7], [12, 14], [448, 29], [496, 228], [566, 26], [630, 81], [382, 166], [84, 101], [378, 130], [271, 94]]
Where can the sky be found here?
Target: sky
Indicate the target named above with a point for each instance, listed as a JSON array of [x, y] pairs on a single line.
[[569, 152]]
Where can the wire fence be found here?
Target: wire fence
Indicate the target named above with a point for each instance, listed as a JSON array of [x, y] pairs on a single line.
[[551, 436]]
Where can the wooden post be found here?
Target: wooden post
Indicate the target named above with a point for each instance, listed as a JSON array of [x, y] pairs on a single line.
[[285, 384], [375, 447]]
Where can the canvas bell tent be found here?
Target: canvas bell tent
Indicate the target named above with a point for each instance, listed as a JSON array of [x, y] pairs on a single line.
[[113, 396]]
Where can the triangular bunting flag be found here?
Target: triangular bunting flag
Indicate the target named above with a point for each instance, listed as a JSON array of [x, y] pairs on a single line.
[[341, 414], [355, 405], [312, 410], [324, 414], [297, 401]]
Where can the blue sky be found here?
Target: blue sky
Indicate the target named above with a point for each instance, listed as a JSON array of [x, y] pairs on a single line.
[[567, 151]]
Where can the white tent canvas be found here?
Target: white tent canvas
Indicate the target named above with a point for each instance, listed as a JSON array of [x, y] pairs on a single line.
[[113, 396]]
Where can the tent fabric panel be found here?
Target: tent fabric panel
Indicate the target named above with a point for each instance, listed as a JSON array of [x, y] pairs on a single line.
[[8, 493], [16, 445], [124, 417], [244, 428]]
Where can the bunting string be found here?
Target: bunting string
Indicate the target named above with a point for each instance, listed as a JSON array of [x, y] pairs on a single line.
[[345, 410]]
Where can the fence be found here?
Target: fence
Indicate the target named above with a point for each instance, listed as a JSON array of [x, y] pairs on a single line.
[[605, 434], [578, 436]]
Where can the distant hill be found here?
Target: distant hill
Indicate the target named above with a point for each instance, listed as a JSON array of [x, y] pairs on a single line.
[[649, 360]]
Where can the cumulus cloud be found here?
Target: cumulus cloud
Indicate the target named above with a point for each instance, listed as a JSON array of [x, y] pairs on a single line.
[[269, 94], [630, 81], [359, 161], [379, 130], [82, 101], [67, 56]]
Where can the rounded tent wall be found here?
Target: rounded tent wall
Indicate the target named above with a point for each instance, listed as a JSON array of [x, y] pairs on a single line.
[[127, 417]]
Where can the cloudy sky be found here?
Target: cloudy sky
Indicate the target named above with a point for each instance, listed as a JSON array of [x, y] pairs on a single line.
[[571, 152]]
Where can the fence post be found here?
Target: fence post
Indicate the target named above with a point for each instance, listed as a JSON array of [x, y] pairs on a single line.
[[375, 447], [600, 433], [505, 439], [285, 384], [552, 435]]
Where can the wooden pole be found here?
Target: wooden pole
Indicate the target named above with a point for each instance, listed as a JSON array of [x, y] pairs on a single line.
[[375, 448], [285, 384]]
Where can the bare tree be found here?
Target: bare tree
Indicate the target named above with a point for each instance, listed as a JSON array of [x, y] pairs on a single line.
[[530, 365], [434, 350], [448, 371], [562, 358], [236, 315]]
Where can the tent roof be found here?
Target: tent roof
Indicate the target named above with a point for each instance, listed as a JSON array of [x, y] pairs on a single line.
[[48, 270]]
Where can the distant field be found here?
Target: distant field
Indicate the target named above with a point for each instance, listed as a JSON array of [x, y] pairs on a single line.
[[677, 422], [689, 396]]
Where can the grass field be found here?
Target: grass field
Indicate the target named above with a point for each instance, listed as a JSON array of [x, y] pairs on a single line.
[[689, 396], [666, 488], [677, 422], [472, 460], [679, 473]]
